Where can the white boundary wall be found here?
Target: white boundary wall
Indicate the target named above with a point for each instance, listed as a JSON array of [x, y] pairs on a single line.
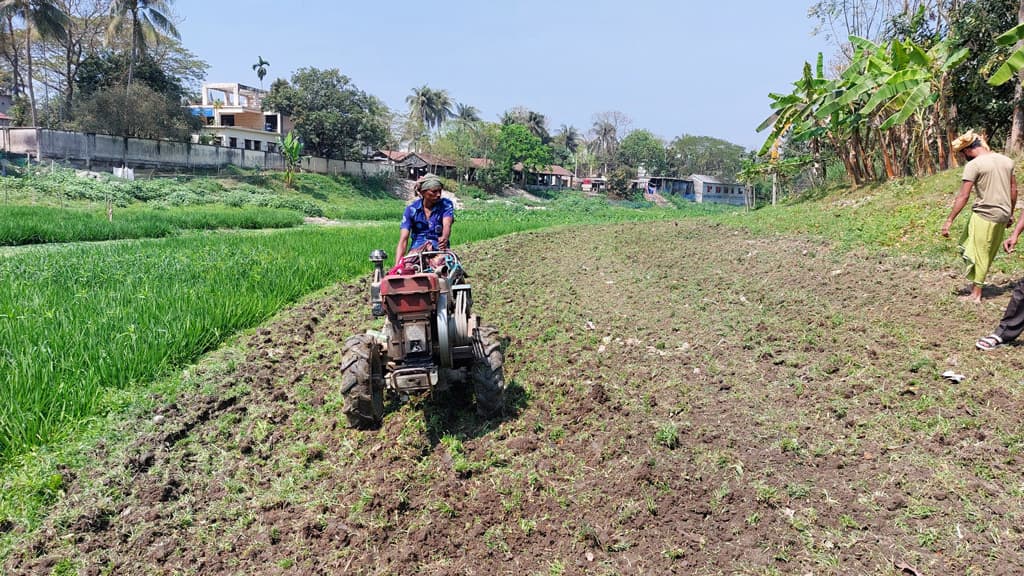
[[101, 150]]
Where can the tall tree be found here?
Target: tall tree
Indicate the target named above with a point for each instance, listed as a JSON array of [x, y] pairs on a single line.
[[467, 113], [534, 121], [147, 20], [47, 20], [333, 118], [1013, 67], [260, 67], [64, 56], [569, 137], [604, 142], [432, 107], [641, 148]]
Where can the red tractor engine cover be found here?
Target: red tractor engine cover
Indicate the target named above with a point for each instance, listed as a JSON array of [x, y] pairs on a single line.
[[409, 294]]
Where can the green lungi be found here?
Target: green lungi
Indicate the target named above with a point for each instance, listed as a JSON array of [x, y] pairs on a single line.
[[979, 245]]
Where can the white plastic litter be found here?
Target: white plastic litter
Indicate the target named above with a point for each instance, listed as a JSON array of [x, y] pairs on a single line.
[[953, 376]]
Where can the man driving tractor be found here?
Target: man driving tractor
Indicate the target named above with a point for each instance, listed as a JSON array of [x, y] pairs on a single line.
[[427, 220]]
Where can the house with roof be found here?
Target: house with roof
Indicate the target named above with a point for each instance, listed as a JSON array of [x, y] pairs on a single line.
[[547, 177], [233, 116], [712, 190]]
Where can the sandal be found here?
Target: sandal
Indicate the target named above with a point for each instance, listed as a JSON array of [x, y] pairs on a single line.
[[990, 342]]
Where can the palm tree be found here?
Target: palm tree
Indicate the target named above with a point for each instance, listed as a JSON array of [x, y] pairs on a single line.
[[430, 106], [260, 67], [570, 137], [605, 141], [47, 19], [148, 19], [535, 122], [467, 113]]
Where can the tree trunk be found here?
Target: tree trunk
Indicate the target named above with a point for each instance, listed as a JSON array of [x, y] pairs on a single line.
[[28, 64], [940, 144], [19, 84], [131, 55], [1014, 144], [890, 170]]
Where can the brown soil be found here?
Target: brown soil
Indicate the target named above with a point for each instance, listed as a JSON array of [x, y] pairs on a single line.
[[685, 399]]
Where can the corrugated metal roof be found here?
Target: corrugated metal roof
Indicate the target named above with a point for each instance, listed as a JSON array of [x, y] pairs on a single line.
[[553, 169]]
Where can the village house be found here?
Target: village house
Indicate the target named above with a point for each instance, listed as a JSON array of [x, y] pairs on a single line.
[[697, 188], [413, 165], [547, 177], [712, 190], [233, 116]]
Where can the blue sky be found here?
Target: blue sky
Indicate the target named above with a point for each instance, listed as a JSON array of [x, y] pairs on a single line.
[[674, 67]]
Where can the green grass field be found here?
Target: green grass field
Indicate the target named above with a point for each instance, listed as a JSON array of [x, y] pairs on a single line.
[[20, 225]]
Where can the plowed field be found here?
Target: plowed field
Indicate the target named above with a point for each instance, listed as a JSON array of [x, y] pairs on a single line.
[[684, 399]]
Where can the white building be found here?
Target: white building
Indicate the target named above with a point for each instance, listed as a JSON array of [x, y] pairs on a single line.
[[712, 190], [233, 116]]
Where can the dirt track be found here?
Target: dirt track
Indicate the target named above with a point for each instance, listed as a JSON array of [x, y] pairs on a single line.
[[685, 400]]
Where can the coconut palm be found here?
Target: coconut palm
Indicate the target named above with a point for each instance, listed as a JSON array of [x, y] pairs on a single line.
[[148, 20], [47, 20], [467, 113], [260, 67], [535, 122], [569, 137], [432, 107], [605, 140]]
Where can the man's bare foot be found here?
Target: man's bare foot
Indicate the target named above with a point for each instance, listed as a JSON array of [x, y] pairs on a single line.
[[970, 298]]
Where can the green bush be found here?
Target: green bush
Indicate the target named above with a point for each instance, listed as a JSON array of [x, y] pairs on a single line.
[[450, 185]]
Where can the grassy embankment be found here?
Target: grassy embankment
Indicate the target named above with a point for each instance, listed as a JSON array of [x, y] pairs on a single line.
[[902, 217], [39, 207]]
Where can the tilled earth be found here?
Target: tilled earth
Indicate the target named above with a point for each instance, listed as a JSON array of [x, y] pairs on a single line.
[[683, 399]]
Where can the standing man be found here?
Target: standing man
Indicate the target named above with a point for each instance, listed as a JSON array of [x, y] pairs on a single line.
[[991, 174]]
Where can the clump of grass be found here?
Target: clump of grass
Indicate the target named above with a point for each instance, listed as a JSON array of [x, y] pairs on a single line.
[[668, 436]]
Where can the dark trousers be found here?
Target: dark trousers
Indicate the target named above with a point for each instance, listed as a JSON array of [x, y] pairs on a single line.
[[1012, 323]]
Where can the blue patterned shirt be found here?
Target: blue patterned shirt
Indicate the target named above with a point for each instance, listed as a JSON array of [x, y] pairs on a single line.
[[421, 229]]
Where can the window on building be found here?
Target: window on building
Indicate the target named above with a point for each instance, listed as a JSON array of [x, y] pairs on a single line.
[[271, 147], [257, 145], [233, 142], [270, 123], [227, 119], [718, 189], [248, 144]]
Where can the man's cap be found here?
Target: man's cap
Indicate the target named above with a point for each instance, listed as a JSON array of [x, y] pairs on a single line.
[[966, 139]]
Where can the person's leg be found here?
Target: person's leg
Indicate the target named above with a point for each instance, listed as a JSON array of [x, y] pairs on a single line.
[[1012, 324], [980, 247]]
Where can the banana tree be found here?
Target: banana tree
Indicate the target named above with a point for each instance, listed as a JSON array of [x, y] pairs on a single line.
[[291, 149], [1010, 68], [793, 117]]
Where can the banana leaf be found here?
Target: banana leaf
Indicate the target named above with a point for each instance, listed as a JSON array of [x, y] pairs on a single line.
[[899, 83], [919, 99]]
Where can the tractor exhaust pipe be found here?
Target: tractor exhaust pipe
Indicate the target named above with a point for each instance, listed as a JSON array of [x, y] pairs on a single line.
[[377, 306]]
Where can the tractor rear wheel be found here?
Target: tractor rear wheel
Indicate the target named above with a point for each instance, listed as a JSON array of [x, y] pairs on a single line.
[[362, 382], [488, 373]]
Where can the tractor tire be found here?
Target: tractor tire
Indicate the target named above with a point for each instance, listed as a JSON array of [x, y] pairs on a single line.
[[362, 382], [487, 373]]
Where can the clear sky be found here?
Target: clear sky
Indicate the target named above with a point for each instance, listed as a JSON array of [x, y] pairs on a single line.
[[674, 67]]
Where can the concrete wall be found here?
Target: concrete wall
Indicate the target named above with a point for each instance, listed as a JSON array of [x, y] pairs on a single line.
[[101, 151]]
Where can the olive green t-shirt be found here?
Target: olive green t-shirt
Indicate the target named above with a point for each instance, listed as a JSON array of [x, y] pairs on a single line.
[[991, 174]]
